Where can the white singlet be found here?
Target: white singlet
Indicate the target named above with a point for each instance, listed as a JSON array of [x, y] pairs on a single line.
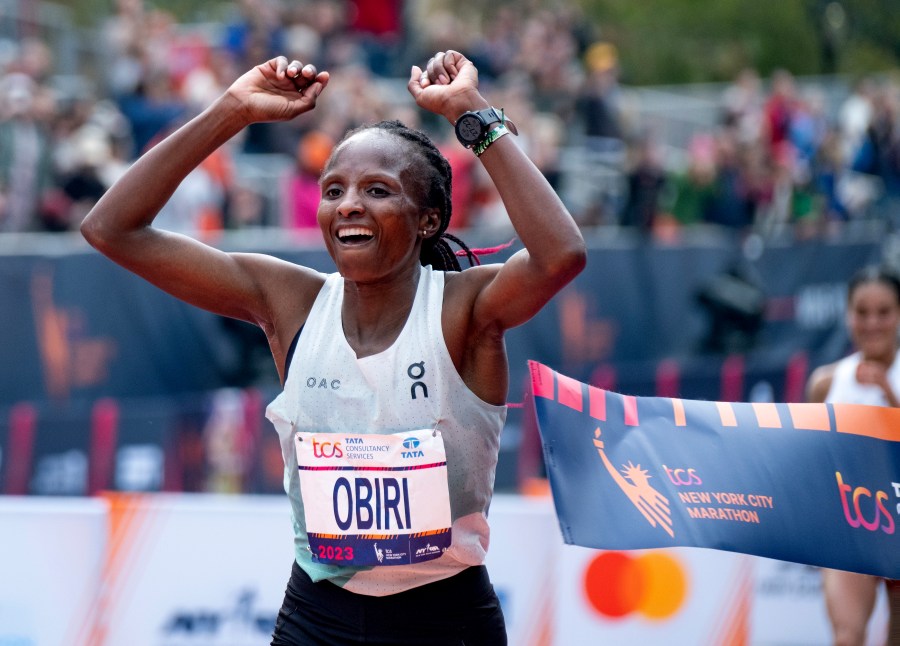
[[845, 389], [411, 385]]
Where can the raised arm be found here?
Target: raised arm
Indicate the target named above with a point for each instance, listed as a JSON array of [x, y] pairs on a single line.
[[554, 249], [119, 226]]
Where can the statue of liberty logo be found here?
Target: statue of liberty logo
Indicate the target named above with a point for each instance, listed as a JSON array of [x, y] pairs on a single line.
[[635, 482]]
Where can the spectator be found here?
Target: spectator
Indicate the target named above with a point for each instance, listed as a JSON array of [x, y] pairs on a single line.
[[779, 109], [879, 154], [742, 103], [303, 184], [645, 180], [598, 100], [26, 170], [806, 131], [379, 27], [83, 184], [828, 172], [691, 195], [854, 117], [151, 110]]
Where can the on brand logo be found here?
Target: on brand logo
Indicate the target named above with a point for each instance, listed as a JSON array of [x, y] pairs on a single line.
[[416, 371]]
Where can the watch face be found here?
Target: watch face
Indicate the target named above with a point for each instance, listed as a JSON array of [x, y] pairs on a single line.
[[469, 128]]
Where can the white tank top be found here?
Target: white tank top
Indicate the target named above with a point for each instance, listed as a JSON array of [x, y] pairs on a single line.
[[845, 389], [411, 385]]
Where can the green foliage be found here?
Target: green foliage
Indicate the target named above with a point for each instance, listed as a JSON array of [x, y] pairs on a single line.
[[90, 13], [678, 41], [875, 23]]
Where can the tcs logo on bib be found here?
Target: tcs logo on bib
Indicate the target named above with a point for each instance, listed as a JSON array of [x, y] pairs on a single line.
[[327, 449]]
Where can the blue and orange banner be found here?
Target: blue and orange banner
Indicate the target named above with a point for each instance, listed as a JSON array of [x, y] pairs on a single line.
[[809, 483]]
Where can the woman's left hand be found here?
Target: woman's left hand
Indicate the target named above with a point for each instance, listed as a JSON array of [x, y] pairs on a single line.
[[447, 86]]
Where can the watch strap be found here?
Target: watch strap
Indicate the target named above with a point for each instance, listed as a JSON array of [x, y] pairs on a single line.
[[492, 114], [495, 133]]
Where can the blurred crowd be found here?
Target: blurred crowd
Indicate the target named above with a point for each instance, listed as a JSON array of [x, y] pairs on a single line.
[[776, 158]]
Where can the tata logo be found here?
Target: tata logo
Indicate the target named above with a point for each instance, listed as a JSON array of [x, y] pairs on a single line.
[[859, 502], [682, 477], [411, 444], [327, 449]]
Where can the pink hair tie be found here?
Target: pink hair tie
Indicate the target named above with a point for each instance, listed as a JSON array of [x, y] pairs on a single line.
[[484, 251]]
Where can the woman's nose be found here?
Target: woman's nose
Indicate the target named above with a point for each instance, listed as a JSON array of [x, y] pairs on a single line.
[[350, 204]]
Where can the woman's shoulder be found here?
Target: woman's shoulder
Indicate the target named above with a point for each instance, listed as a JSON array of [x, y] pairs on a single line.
[[819, 382], [461, 288], [282, 278], [471, 278]]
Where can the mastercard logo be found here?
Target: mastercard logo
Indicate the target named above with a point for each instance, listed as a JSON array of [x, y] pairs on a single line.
[[652, 584]]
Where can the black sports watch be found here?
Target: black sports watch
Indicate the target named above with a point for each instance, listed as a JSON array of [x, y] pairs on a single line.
[[472, 127]]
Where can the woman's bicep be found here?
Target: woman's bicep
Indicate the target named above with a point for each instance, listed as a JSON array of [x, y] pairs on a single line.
[[518, 289], [201, 275]]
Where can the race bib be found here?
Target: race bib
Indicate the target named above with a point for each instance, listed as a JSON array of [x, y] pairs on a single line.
[[374, 499]]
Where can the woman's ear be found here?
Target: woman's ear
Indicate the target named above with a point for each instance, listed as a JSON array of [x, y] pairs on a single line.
[[429, 223]]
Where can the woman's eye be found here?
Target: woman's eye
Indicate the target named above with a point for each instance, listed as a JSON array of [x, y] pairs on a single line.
[[332, 192], [378, 191]]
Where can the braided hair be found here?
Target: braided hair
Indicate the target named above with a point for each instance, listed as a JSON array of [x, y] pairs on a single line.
[[437, 177]]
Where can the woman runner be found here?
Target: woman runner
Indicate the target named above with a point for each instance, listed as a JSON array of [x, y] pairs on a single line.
[[871, 376], [399, 354]]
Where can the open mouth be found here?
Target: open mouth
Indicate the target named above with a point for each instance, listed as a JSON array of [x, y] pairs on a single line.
[[354, 235]]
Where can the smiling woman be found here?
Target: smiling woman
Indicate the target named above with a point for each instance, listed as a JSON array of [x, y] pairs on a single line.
[[870, 376], [427, 167], [399, 348]]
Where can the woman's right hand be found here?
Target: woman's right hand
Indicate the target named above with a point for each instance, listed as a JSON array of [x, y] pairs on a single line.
[[876, 374], [872, 373], [278, 90]]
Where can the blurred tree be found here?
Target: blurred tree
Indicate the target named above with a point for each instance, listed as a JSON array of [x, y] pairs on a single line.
[[676, 41], [89, 12], [679, 41], [872, 34]]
